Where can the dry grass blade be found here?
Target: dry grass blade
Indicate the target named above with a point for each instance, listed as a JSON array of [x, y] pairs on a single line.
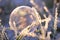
[[55, 21]]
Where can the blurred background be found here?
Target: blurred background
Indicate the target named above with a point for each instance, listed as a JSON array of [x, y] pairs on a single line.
[[7, 6]]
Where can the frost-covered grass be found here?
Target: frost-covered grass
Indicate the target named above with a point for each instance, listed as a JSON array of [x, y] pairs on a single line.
[[35, 28]]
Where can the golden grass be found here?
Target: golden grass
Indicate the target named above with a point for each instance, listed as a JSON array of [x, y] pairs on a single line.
[[38, 21]]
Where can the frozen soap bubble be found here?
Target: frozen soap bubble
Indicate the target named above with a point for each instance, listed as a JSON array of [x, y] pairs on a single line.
[[21, 17]]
